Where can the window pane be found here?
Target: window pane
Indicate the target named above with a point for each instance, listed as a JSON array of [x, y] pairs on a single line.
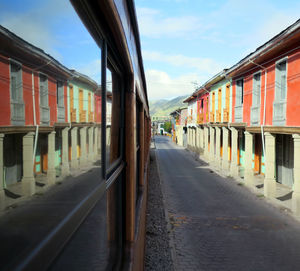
[[58, 140]]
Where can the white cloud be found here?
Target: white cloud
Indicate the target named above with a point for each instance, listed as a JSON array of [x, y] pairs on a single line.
[[91, 69], [206, 65], [160, 85], [153, 24], [35, 33]]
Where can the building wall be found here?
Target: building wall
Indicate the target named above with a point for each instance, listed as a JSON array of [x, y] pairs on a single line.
[[66, 102], [293, 84], [215, 89], [27, 95], [52, 88], [5, 91], [205, 107], [86, 89]]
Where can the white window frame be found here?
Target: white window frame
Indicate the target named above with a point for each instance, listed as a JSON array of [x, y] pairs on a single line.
[[277, 89], [20, 95], [279, 104], [254, 74], [47, 80], [241, 96]]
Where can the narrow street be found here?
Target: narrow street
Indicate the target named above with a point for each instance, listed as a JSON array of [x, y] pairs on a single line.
[[216, 223]]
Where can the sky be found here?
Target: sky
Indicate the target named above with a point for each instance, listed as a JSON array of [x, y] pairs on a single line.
[[184, 42]]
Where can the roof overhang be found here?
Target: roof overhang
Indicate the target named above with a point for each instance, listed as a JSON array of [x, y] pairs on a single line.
[[285, 41]]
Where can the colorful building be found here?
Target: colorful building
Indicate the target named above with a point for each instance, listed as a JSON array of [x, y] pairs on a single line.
[[179, 126], [254, 130], [48, 115]]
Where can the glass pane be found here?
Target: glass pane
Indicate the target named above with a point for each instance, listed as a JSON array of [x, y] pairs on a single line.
[[112, 117], [51, 154]]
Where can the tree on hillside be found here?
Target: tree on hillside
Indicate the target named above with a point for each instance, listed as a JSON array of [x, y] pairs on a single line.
[[168, 126]]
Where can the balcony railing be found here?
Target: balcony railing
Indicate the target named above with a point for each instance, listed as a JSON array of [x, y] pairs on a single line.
[[91, 117], [255, 115], [82, 116], [17, 113], [189, 119], [238, 113], [218, 116], [200, 118], [211, 117], [279, 113], [73, 115], [225, 115], [60, 114], [45, 115]]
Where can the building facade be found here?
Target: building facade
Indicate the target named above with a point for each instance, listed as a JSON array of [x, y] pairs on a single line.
[[253, 130], [49, 119]]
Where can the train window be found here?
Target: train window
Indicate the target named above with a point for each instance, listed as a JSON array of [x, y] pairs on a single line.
[[51, 138]]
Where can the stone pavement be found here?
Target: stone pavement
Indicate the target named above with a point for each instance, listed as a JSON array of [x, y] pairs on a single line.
[[25, 224], [217, 224]]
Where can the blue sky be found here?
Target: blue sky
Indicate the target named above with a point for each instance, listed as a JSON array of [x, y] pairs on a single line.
[[184, 42]]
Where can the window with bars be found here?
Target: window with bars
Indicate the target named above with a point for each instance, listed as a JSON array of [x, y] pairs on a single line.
[[280, 81], [16, 82], [16, 93], [60, 93], [43, 90], [256, 89], [239, 92]]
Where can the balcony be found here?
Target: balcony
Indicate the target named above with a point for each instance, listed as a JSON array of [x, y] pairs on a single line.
[[218, 116], [82, 116], [60, 114], [238, 113], [200, 118], [211, 117], [189, 119], [17, 113], [225, 115], [255, 115], [279, 113], [91, 117], [73, 115], [45, 115]]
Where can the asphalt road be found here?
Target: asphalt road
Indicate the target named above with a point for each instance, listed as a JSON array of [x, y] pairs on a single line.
[[217, 224]]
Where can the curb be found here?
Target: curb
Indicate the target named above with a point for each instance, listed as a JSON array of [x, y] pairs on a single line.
[[169, 229]]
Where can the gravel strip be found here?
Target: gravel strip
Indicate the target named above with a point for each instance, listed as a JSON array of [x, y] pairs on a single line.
[[158, 252]]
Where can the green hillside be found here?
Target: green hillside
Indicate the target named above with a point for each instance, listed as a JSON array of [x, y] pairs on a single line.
[[164, 107]]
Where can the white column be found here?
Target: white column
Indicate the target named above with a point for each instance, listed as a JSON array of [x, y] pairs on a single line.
[[270, 181], [74, 138], [65, 168], [234, 168], [51, 172], [225, 158], [99, 141], [2, 194], [296, 187], [249, 173], [206, 151], [28, 181], [83, 153], [96, 152], [212, 145], [91, 144], [201, 138], [218, 146], [195, 138]]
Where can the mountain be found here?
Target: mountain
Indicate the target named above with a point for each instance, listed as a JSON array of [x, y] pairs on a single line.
[[164, 107]]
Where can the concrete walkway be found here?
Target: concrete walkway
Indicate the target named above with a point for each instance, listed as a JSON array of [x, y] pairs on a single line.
[[217, 224]]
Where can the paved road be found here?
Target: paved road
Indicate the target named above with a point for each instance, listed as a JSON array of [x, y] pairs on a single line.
[[219, 225]]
